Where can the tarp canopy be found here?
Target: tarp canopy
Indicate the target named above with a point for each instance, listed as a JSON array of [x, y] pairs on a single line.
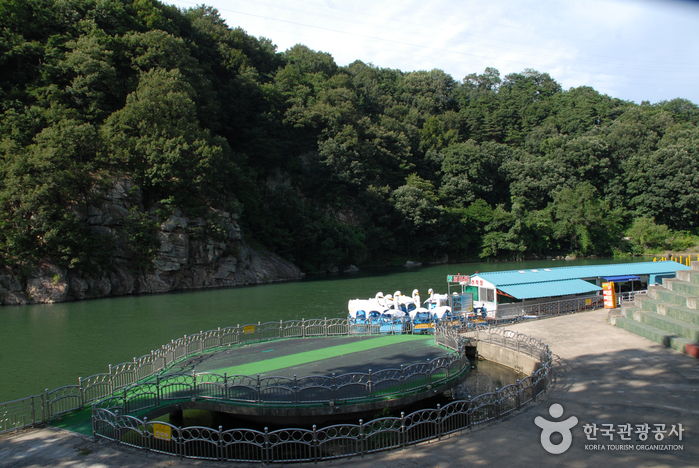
[[549, 289], [622, 278]]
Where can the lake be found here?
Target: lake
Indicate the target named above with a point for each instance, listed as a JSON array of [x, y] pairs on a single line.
[[51, 345]]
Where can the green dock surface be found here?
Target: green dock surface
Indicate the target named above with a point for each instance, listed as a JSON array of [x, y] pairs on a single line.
[[316, 356], [296, 356]]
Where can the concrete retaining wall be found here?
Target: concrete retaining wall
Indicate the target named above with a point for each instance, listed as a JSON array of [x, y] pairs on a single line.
[[508, 357]]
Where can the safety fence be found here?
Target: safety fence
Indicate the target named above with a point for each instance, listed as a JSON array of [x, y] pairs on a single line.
[[630, 296], [51, 404], [316, 390], [546, 309], [343, 440]]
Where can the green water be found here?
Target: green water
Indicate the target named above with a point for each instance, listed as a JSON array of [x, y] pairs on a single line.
[[48, 346]]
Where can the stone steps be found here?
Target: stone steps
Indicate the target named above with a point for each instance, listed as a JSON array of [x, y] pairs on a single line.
[[671, 325], [681, 313], [690, 276], [667, 314], [684, 287], [663, 337]]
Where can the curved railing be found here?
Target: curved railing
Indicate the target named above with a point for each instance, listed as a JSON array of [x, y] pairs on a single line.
[[315, 390], [40, 409], [344, 440]]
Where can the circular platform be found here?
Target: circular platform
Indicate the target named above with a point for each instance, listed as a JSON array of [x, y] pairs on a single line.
[[301, 378], [316, 356]]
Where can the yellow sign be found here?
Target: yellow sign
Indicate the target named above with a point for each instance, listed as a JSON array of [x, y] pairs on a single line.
[[588, 302], [609, 295], [421, 326], [249, 329], [162, 431]]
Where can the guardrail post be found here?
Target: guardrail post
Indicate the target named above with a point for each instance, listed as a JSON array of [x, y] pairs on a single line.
[[220, 443], [439, 421], [315, 445], [47, 404], [266, 457], [429, 373], [497, 402], [180, 442], [194, 384], [303, 327], [403, 435], [259, 389], [218, 337], [259, 331], [94, 422], [325, 326], [158, 396], [361, 438], [225, 385], [402, 378], [296, 391], [281, 329], [81, 391], [111, 381], [370, 386], [333, 390], [519, 394], [145, 437]]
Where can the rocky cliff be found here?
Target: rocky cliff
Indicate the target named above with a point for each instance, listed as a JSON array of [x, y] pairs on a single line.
[[187, 258]]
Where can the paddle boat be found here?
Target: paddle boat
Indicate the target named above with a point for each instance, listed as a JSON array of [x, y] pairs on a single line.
[[405, 304], [373, 312], [422, 320], [393, 321], [365, 311], [436, 300], [442, 314]]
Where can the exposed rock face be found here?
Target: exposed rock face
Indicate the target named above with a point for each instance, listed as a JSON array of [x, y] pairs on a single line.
[[186, 259]]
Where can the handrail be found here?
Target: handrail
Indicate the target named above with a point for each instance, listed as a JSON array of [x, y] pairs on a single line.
[[520, 310], [343, 440], [257, 391], [41, 409]]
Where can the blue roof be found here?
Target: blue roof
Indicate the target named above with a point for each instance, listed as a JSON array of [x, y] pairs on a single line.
[[564, 281], [622, 278], [549, 289], [502, 278]]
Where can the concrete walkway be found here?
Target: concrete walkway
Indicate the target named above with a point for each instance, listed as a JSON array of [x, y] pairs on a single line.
[[603, 375]]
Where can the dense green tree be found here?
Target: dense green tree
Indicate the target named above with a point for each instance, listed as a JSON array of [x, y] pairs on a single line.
[[326, 165], [644, 234], [663, 186], [588, 222]]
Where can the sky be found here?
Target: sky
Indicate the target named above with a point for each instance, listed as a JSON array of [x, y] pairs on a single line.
[[636, 50]]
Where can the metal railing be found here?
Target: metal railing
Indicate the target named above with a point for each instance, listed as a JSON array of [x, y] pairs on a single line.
[[344, 440], [332, 390], [545, 309], [41, 409], [630, 296]]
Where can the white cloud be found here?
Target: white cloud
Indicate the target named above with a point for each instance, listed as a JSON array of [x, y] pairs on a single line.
[[633, 50]]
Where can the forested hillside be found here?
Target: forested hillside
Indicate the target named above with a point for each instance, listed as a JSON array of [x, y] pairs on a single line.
[[325, 165]]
